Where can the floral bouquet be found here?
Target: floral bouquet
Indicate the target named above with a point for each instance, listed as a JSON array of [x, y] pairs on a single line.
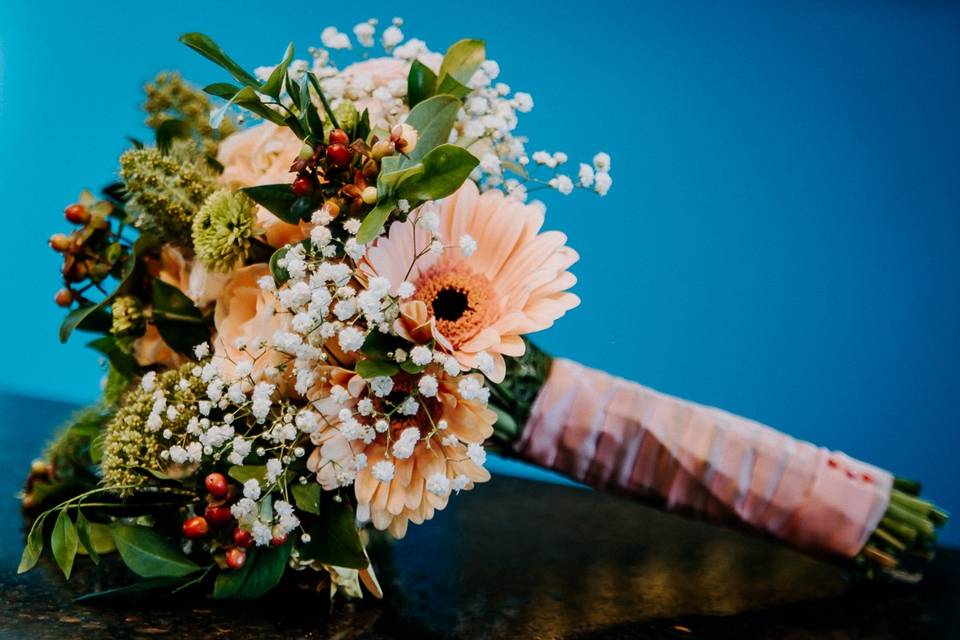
[[313, 323]]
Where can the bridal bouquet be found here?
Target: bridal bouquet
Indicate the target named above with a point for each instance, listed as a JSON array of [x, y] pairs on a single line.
[[312, 292]]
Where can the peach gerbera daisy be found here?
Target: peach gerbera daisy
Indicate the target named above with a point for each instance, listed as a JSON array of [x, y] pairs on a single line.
[[514, 283], [420, 484]]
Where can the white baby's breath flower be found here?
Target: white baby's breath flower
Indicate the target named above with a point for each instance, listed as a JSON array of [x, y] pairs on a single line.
[[467, 245], [383, 471], [334, 39]]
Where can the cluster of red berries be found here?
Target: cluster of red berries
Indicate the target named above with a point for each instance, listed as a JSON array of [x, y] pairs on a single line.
[[217, 516], [85, 250]]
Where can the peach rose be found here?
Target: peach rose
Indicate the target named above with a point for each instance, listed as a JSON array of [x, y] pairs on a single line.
[[150, 349], [244, 311], [203, 287], [257, 155]]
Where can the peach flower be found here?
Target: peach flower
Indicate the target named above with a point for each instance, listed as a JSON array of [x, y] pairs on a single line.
[[251, 315], [150, 349], [258, 155], [514, 283], [203, 287], [362, 79], [407, 496]]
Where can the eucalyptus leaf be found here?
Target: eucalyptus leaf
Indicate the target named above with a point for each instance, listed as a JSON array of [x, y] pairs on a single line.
[[374, 368], [274, 83], [373, 222], [209, 49], [421, 83], [150, 555], [64, 542], [33, 549]]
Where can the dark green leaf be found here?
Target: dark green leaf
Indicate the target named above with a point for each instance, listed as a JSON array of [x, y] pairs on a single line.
[[250, 100], [451, 86], [122, 362], [373, 368], [280, 275], [421, 83], [410, 367], [363, 126], [373, 222], [141, 586], [433, 119], [209, 49], [33, 549], [278, 199], [116, 384], [223, 90], [309, 118], [169, 130], [378, 344], [323, 100], [334, 538], [97, 445], [461, 61], [274, 83], [229, 582], [293, 89], [260, 573], [64, 542], [83, 534], [444, 170], [178, 321], [150, 555], [307, 497], [94, 317]]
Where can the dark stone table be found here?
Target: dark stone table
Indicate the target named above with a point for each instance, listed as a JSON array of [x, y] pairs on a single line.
[[511, 559]]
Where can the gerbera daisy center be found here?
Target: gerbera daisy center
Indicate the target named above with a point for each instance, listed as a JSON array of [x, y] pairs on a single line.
[[461, 300]]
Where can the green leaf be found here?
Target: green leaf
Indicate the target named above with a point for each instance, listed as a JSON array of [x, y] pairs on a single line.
[[169, 130], [141, 586], [334, 538], [461, 61], [121, 361], [100, 538], [280, 275], [373, 368], [363, 126], [209, 49], [274, 83], [378, 344], [94, 317], [84, 535], [33, 549], [307, 497], [323, 99], [444, 170], [223, 90], [421, 83], [250, 100], [64, 542], [433, 119], [178, 321], [260, 573], [373, 222], [243, 473], [309, 117], [278, 199], [116, 384], [150, 555], [409, 367], [97, 445]]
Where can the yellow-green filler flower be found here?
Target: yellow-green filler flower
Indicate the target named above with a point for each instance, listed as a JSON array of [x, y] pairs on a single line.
[[223, 230]]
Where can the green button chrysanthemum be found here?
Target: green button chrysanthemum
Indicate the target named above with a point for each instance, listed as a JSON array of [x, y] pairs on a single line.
[[223, 229]]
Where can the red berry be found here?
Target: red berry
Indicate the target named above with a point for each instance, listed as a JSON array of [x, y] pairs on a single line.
[[339, 155], [236, 557], [339, 136], [195, 527], [216, 484], [278, 539], [76, 213], [302, 186], [242, 537], [64, 297], [218, 515]]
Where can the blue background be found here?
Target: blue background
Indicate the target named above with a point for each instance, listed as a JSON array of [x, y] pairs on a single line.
[[781, 239]]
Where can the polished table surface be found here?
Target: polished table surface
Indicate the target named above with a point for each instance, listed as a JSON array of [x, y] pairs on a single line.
[[511, 559]]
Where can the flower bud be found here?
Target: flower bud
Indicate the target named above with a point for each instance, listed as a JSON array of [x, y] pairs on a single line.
[[236, 557], [369, 195], [195, 527], [339, 155], [76, 213], [306, 151], [60, 242], [339, 136], [382, 149], [404, 137]]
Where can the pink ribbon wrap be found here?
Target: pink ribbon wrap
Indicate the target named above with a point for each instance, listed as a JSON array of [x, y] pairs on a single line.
[[616, 435]]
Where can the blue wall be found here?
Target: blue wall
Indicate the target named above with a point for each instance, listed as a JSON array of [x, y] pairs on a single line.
[[782, 238]]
